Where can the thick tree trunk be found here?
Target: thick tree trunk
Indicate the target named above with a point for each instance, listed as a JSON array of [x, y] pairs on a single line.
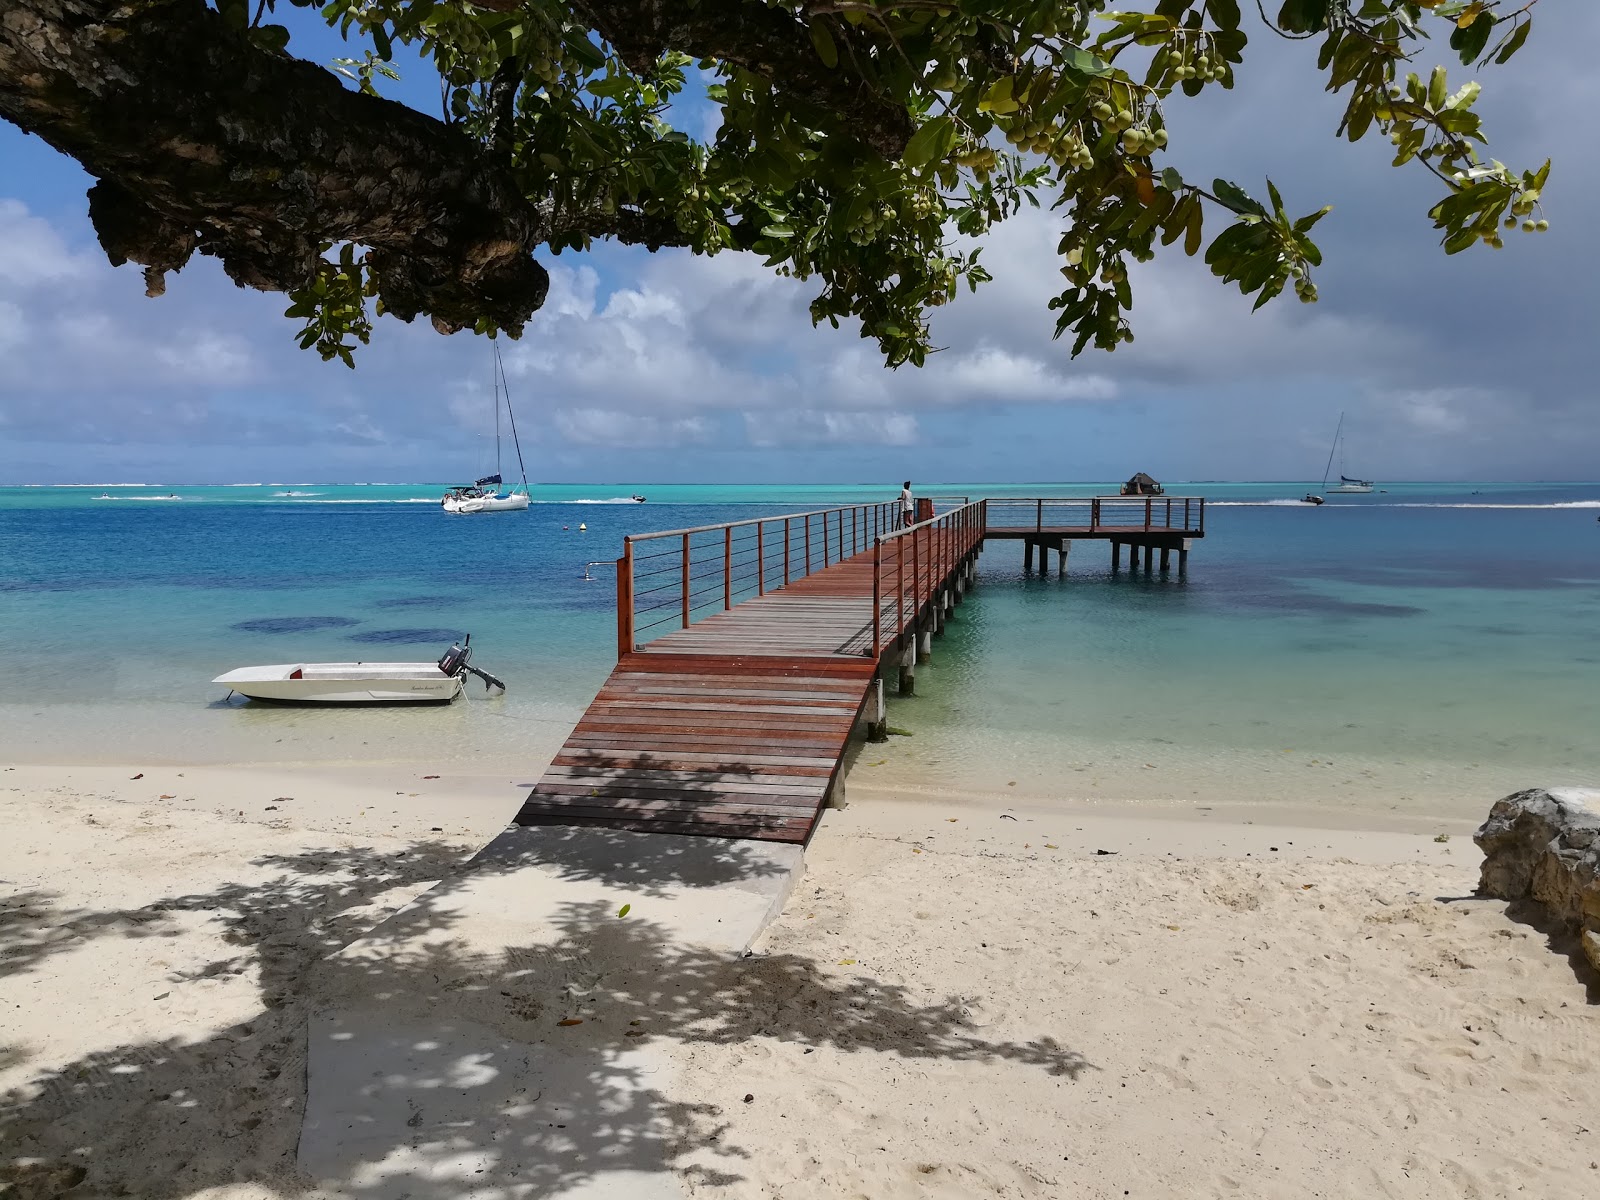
[[202, 141]]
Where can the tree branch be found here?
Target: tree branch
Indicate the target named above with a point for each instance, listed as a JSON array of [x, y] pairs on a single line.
[[200, 140]]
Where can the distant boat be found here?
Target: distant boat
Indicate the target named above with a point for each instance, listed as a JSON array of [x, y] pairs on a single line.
[[1311, 498], [1346, 486], [361, 682], [485, 495]]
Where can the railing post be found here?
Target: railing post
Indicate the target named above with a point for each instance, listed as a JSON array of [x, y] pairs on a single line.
[[625, 600], [686, 581], [877, 600], [761, 560], [1202, 516], [1038, 515], [1094, 514], [1186, 514], [727, 567], [824, 538], [808, 543], [1147, 514], [1169, 512], [786, 540], [900, 587]]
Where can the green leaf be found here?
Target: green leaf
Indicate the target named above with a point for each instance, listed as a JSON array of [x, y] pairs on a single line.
[[380, 39], [1235, 197], [624, 910], [1303, 16], [1171, 180], [1436, 88], [1469, 42], [777, 231], [933, 141], [270, 37], [1514, 42], [589, 55], [1224, 12], [823, 41], [1085, 63]]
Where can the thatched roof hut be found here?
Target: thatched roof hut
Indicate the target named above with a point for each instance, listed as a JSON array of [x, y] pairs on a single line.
[[1141, 485]]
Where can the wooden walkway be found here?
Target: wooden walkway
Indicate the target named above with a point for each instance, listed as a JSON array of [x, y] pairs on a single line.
[[737, 725], [747, 653]]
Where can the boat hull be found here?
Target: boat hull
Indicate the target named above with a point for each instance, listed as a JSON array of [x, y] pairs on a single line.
[[1349, 490], [480, 504], [345, 683]]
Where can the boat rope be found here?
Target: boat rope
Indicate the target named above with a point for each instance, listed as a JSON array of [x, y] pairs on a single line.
[[504, 387]]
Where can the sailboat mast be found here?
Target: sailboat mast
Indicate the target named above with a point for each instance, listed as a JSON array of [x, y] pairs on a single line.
[[1331, 449], [497, 409], [515, 441]]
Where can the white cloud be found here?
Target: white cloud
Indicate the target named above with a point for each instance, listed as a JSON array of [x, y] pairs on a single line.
[[33, 253], [793, 428], [624, 429]]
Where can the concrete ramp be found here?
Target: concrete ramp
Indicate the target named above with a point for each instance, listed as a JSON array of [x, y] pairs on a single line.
[[493, 1038]]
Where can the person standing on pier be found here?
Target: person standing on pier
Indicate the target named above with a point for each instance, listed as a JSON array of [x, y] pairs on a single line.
[[908, 506]]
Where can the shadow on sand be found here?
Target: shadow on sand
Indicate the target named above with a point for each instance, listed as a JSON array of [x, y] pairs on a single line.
[[168, 1119]]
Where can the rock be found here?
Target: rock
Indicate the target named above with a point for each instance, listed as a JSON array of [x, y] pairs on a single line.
[[1545, 845]]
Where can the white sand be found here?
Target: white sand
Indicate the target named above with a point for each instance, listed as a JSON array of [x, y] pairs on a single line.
[[949, 1007]]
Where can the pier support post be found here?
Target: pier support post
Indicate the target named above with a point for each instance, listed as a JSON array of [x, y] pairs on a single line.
[[940, 604], [1166, 559], [908, 668], [1183, 562], [1027, 555], [877, 712], [836, 798], [1061, 561], [1149, 555], [1116, 556], [925, 640]]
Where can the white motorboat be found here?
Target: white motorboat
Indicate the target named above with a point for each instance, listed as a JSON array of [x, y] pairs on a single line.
[[1346, 485], [361, 682], [484, 495]]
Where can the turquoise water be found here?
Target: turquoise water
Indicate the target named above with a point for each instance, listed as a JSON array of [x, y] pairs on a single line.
[[1416, 650]]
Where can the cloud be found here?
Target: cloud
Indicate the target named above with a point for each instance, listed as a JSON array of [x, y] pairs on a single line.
[[790, 428], [624, 429]]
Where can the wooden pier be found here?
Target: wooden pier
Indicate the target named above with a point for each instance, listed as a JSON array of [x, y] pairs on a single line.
[[750, 652]]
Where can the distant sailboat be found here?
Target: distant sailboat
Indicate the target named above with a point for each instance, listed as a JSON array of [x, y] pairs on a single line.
[[1347, 485], [484, 495]]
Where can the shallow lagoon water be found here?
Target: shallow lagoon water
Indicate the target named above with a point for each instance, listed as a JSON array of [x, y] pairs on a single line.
[[1419, 651]]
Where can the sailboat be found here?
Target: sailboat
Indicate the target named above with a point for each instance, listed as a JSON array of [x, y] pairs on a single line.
[[485, 495], [1346, 486]]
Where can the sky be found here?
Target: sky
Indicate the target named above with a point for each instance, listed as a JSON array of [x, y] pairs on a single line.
[[669, 368]]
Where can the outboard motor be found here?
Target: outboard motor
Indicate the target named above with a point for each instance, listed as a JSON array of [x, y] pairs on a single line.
[[455, 659], [455, 662]]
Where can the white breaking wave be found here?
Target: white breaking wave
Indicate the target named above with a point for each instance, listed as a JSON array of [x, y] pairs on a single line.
[[139, 498], [1483, 504], [1257, 504], [304, 494], [613, 500], [1397, 504]]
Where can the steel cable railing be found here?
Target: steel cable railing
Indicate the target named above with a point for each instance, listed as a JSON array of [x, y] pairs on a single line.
[[674, 578], [911, 565], [1101, 514]]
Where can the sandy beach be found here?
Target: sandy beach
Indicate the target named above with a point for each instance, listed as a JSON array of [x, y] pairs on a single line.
[[960, 998]]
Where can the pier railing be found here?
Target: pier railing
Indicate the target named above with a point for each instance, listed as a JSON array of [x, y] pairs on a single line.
[[669, 580], [1100, 514], [910, 565]]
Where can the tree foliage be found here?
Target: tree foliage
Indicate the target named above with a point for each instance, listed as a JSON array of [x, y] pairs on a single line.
[[865, 146]]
